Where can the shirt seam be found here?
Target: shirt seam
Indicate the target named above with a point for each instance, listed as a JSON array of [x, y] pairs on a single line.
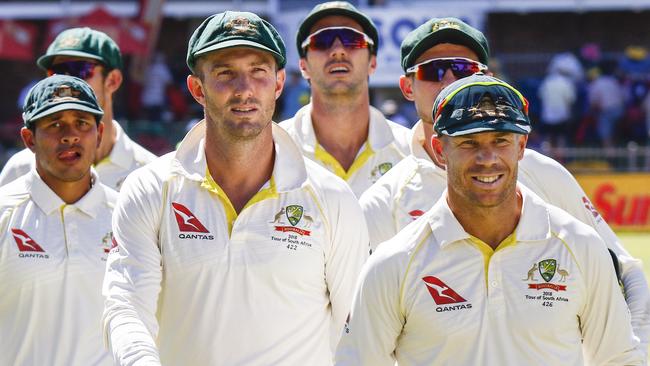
[[408, 268]]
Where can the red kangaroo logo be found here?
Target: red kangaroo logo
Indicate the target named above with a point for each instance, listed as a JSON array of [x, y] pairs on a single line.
[[441, 293], [186, 220], [24, 242]]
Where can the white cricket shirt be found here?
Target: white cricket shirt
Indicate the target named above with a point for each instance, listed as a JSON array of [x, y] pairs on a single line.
[[415, 184], [435, 295], [125, 157], [52, 261], [193, 283], [387, 144]]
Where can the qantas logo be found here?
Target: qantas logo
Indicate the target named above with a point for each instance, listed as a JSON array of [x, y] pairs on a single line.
[[188, 223], [24, 242], [444, 295], [416, 213], [27, 246]]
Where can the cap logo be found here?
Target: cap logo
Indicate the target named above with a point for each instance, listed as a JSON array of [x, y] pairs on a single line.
[[65, 92], [241, 25], [334, 4], [457, 114], [69, 42], [444, 24], [486, 108]]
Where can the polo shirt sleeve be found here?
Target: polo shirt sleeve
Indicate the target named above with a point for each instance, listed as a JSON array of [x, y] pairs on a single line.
[[133, 273], [376, 320], [17, 166], [605, 319], [377, 204], [567, 194], [348, 251]]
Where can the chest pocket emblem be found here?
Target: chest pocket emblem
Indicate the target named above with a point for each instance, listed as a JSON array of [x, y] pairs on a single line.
[[297, 219]]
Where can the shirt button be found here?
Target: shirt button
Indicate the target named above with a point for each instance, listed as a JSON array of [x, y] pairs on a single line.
[[495, 284]]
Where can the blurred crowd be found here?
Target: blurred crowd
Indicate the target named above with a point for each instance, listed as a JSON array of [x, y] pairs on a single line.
[[592, 100]]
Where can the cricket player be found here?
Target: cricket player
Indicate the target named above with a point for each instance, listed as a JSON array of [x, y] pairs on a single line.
[[55, 232], [93, 56], [339, 129], [434, 55], [234, 249], [491, 274]]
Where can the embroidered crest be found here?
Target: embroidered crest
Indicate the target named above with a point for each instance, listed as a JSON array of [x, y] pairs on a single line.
[[65, 92], [294, 214], [69, 42], [444, 24], [547, 269], [486, 108], [241, 26]]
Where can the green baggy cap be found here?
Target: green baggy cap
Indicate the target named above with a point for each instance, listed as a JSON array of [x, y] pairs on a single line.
[[59, 93], [480, 103], [443, 30], [343, 8], [83, 42], [235, 29]]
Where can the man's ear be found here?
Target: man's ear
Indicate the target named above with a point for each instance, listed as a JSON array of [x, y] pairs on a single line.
[[438, 156], [28, 138], [523, 140], [372, 64], [100, 133], [113, 81], [406, 86], [280, 78], [302, 64], [195, 86]]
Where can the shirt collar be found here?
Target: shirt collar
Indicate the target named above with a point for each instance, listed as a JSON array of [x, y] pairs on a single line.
[[48, 201], [121, 154], [380, 134], [189, 160], [534, 222]]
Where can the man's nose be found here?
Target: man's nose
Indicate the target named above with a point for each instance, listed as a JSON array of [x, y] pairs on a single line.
[[337, 47]]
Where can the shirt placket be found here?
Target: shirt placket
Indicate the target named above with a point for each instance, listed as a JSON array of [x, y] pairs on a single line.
[[494, 283], [71, 229]]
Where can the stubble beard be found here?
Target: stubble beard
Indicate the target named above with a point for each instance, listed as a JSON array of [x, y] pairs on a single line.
[[64, 174], [469, 198], [241, 130], [339, 88]]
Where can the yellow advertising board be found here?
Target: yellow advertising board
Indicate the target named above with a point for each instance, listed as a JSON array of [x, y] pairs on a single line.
[[622, 199]]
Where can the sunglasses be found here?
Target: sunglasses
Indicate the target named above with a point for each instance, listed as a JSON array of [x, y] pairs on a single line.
[[434, 69], [324, 38], [81, 69]]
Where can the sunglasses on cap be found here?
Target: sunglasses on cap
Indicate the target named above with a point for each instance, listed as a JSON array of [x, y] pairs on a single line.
[[324, 38], [434, 69], [81, 69]]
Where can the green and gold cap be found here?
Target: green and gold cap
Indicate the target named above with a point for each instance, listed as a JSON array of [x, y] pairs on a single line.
[[235, 29], [343, 8], [480, 103], [443, 30], [83, 42], [59, 93]]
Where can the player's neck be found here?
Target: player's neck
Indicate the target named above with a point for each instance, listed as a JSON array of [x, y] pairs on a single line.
[[69, 192], [108, 138], [427, 127], [492, 224], [341, 128], [240, 168]]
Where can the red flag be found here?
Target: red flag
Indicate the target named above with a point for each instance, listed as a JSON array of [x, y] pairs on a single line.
[[17, 40], [130, 35]]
